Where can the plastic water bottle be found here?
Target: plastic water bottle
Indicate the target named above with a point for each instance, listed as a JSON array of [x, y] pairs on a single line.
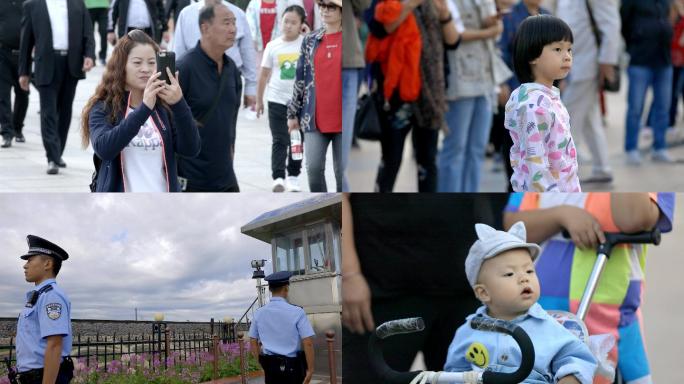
[[296, 149]]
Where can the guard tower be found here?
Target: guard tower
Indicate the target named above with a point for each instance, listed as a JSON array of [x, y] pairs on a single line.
[[305, 239]]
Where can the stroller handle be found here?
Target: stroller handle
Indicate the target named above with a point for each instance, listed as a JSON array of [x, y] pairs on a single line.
[[603, 253], [615, 238], [416, 324], [520, 337]]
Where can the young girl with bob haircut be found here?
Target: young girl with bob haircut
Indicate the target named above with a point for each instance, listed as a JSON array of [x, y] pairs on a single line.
[[543, 156], [137, 123], [278, 68]]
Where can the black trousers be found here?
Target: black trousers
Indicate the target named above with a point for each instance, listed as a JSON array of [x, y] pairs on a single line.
[[35, 376], [442, 316], [425, 147], [11, 119], [502, 141], [280, 147], [99, 16], [56, 102], [61, 379], [282, 370]]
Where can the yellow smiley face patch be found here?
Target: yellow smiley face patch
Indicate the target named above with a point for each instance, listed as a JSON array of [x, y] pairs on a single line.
[[477, 354]]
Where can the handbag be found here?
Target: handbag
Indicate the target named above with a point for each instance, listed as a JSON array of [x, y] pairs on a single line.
[[609, 86], [367, 118]]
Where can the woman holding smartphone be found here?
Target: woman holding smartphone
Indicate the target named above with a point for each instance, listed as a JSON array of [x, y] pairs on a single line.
[[138, 122]]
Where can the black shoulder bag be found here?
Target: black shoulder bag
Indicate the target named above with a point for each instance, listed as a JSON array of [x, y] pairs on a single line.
[[367, 124]]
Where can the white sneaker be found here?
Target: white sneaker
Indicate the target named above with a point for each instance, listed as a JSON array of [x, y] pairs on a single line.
[[661, 156], [279, 185], [633, 158], [293, 184]]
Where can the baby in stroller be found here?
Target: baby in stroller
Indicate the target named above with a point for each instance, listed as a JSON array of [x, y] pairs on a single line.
[[500, 268]]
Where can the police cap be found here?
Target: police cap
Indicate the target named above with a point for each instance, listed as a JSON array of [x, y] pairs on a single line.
[[39, 246], [278, 279]]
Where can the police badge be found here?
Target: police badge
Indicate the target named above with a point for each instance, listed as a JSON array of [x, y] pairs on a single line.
[[54, 311]]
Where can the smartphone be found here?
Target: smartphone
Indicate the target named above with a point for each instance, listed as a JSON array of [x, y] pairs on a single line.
[[166, 59]]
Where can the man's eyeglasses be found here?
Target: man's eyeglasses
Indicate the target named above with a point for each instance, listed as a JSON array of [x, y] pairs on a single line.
[[327, 6]]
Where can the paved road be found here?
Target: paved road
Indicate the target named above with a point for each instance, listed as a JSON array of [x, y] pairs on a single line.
[[364, 161]]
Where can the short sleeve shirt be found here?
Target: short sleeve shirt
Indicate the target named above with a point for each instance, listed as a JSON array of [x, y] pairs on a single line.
[[281, 56], [51, 315], [280, 326]]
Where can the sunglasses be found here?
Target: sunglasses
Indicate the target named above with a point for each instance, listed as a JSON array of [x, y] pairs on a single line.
[[327, 6]]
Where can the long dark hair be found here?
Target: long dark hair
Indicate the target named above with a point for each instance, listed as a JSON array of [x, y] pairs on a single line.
[[112, 87]]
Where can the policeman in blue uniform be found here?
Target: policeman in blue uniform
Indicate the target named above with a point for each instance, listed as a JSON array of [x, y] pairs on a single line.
[[44, 328], [282, 328]]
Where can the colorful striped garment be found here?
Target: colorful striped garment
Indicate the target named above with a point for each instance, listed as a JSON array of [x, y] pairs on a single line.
[[563, 272]]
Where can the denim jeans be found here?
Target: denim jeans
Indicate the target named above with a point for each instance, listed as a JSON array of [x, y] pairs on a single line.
[[640, 78], [315, 148], [463, 149], [350, 90]]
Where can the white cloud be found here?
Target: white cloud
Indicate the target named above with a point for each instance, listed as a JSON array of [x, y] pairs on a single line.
[[179, 254]]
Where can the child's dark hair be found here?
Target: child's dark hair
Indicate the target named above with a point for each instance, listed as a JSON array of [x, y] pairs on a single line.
[[298, 10], [533, 34]]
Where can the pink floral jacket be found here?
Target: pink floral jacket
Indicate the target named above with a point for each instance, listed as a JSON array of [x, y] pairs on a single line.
[[543, 156]]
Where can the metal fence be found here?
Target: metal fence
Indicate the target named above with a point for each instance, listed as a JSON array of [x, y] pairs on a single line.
[[161, 343]]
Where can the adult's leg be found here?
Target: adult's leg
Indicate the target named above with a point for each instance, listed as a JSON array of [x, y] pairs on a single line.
[[314, 150], [425, 145], [639, 79], [662, 96], [478, 135], [65, 102], [49, 115], [277, 120], [581, 100], [506, 144], [350, 86], [392, 145], [677, 83], [21, 101], [337, 144], [451, 158], [6, 83], [102, 29]]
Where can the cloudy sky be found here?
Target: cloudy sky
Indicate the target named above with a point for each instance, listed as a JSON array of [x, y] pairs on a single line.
[[181, 255]]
